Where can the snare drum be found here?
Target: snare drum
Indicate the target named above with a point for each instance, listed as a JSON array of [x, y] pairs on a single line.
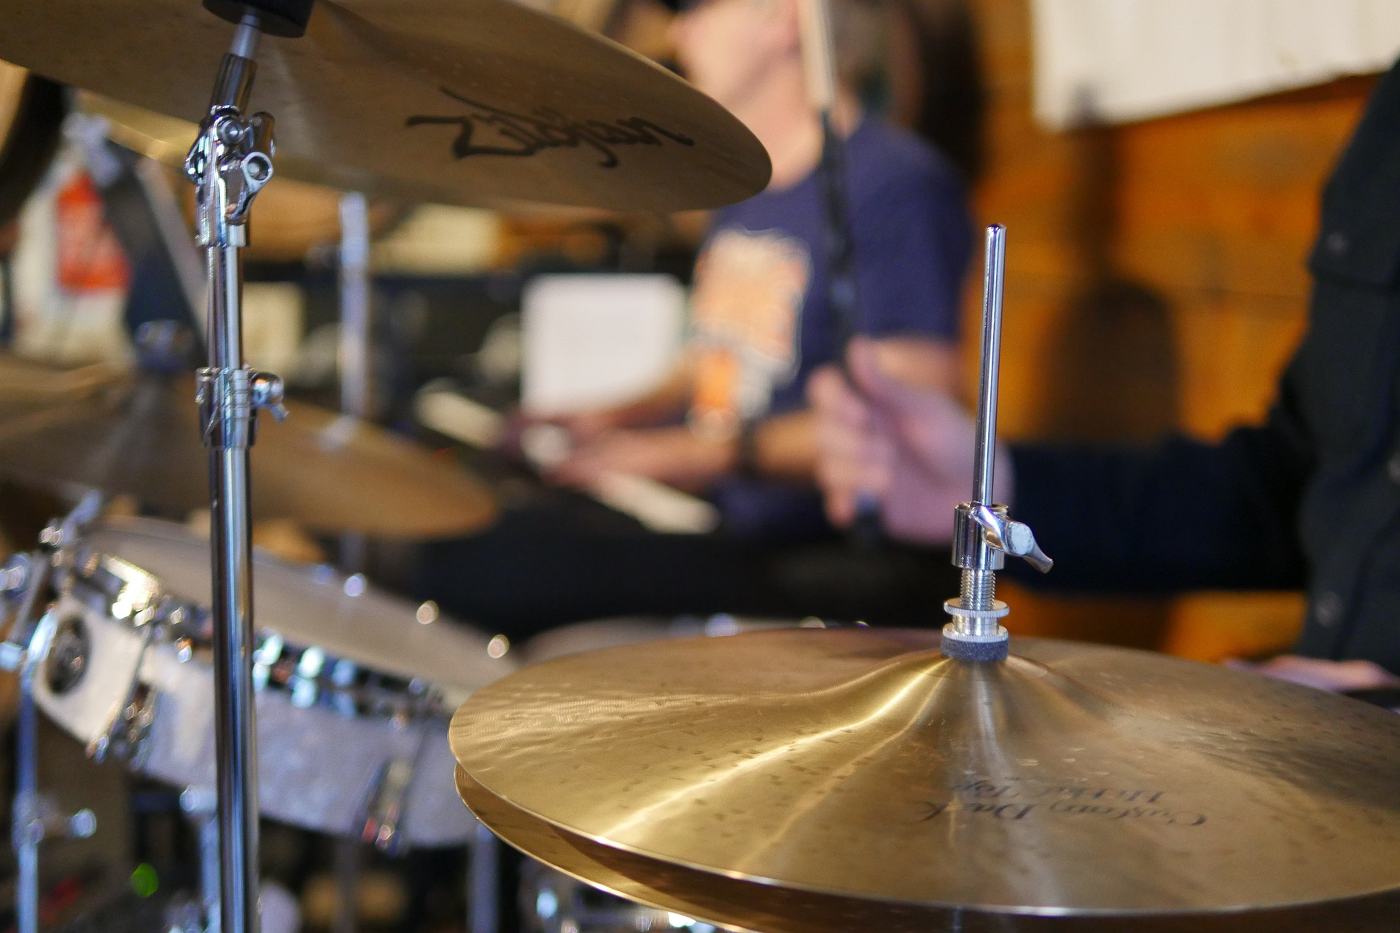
[[354, 688]]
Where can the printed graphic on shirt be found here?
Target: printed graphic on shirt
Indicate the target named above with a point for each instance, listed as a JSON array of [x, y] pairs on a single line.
[[745, 307]]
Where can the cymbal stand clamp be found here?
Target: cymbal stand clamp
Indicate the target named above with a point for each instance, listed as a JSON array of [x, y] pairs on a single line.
[[229, 163], [983, 531]]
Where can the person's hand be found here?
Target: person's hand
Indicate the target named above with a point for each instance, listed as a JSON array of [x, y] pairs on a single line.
[[675, 456], [909, 449], [577, 428], [1336, 676]]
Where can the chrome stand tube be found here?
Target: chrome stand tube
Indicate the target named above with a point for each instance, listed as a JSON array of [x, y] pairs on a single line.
[[231, 544], [484, 881], [356, 322], [201, 810], [28, 828], [357, 399], [983, 532], [229, 164]]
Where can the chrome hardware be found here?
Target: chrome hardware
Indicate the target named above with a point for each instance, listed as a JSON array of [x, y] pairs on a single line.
[[39, 819], [983, 531], [64, 532], [268, 394], [384, 807], [1013, 537], [68, 656], [124, 739], [14, 576]]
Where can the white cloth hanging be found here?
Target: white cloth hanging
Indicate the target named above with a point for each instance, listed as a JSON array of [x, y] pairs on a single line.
[[1113, 61]]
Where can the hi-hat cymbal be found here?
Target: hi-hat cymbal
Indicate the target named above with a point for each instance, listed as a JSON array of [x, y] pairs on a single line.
[[748, 907], [462, 101], [139, 436], [1071, 780]]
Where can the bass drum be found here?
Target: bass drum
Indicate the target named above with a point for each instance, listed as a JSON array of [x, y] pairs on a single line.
[[354, 688]]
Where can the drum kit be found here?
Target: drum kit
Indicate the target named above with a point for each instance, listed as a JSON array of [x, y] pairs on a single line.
[[780, 779]]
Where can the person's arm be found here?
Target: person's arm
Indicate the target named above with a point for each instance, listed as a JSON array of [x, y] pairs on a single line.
[[784, 447], [1185, 514], [665, 402]]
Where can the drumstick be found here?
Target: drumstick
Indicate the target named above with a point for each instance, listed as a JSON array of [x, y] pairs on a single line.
[[655, 505], [842, 292]]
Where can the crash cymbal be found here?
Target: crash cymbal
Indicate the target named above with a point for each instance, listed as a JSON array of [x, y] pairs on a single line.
[[1071, 779], [139, 436], [746, 906], [25, 382], [294, 218], [461, 101]]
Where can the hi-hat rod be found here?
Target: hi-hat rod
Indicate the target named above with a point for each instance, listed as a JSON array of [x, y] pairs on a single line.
[[983, 532]]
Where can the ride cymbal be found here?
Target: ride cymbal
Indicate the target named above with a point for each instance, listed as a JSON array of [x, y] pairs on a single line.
[[1070, 780], [459, 101], [138, 435]]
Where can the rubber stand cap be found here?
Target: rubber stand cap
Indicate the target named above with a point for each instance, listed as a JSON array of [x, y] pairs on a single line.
[[286, 18], [965, 650]]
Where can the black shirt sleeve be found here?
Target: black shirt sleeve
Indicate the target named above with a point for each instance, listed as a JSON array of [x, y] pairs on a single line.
[[1184, 514]]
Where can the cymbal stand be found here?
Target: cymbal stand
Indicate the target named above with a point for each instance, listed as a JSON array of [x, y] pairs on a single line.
[[26, 578], [356, 399], [983, 532], [229, 163]]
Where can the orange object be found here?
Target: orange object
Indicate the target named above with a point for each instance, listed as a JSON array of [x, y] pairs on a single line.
[[89, 259]]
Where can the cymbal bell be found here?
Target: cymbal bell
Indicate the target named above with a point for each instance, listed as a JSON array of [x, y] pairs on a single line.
[[748, 907], [459, 101], [1071, 780], [138, 435]]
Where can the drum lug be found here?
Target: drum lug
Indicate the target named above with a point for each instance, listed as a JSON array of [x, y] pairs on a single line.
[[384, 806], [126, 735], [381, 817]]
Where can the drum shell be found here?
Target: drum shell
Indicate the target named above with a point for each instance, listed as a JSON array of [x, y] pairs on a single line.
[[321, 753], [316, 766]]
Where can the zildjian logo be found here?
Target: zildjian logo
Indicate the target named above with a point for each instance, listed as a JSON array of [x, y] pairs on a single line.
[[529, 134]]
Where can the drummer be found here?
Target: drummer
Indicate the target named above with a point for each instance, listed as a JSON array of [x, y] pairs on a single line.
[[732, 421], [1308, 499]]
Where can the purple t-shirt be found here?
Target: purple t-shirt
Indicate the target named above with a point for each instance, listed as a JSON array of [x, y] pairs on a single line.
[[761, 319]]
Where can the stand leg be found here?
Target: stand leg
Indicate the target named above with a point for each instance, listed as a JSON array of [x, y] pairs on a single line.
[[26, 838], [484, 881], [28, 829]]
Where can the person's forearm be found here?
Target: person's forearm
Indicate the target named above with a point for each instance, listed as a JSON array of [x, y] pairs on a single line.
[[665, 402], [1182, 515], [785, 447]]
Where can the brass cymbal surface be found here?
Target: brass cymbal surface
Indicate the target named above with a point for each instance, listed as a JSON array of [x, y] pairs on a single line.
[[747, 906], [138, 435], [459, 101], [1069, 780]]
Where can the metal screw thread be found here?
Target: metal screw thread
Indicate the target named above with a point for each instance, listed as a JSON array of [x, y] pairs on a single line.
[[979, 589]]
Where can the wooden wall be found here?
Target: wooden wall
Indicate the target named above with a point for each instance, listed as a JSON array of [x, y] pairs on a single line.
[[1155, 280]]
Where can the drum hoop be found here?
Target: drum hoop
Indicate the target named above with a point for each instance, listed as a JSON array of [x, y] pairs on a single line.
[[129, 595]]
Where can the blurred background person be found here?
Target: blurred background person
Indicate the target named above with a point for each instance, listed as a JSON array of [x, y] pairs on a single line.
[[731, 422]]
